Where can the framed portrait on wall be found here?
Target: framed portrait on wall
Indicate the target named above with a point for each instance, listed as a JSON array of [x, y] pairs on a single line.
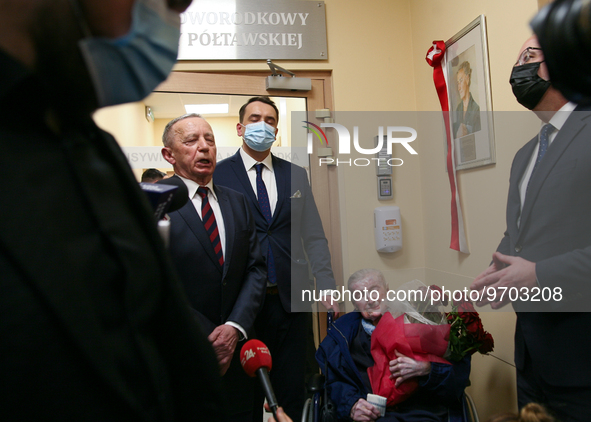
[[469, 94]]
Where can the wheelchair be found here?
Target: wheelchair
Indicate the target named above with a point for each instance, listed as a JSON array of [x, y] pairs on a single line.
[[318, 408]]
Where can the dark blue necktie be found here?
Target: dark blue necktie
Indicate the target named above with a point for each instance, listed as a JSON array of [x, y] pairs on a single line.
[[210, 224], [263, 199], [547, 129]]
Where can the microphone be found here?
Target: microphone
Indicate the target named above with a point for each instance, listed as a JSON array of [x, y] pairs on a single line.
[[256, 361], [160, 196], [181, 195], [166, 195]]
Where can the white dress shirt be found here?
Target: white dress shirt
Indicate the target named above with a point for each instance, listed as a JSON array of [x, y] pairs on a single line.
[[213, 202], [268, 175]]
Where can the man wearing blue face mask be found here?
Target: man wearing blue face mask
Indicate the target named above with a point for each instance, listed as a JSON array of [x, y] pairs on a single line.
[[94, 324], [291, 234]]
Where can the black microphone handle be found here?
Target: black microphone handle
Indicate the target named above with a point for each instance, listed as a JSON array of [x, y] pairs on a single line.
[[263, 376]]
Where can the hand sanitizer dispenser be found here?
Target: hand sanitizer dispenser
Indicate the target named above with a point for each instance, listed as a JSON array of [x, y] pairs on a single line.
[[388, 232]]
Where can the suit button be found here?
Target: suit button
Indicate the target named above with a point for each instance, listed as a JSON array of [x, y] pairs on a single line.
[[224, 283], [518, 248], [269, 232]]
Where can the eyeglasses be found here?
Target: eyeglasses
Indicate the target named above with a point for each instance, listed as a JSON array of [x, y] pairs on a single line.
[[528, 54]]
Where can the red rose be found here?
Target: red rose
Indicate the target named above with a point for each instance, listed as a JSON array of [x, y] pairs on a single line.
[[464, 298], [466, 306], [476, 330], [468, 317], [467, 313], [443, 298], [488, 344]]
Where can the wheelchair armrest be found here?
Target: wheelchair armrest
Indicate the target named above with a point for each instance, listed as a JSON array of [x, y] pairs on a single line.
[[316, 383]]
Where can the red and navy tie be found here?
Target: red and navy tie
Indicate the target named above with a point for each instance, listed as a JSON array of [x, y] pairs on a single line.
[[210, 225], [263, 199]]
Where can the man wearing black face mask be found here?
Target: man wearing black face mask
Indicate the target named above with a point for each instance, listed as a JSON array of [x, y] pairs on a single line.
[[94, 325], [547, 247]]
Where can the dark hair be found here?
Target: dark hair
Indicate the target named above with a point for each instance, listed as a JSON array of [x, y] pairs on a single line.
[[262, 99], [152, 175], [166, 139]]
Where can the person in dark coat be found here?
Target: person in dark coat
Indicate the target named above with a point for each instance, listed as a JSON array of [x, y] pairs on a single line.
[[344, 356]]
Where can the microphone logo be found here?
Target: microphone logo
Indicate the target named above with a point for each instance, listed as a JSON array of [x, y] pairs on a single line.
[[254, 355], [247, 355]]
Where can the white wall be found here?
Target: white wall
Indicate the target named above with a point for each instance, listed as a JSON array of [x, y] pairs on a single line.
[[377, 58]]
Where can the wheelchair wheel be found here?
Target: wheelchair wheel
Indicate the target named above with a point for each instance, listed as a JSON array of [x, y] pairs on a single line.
[[308, 413]]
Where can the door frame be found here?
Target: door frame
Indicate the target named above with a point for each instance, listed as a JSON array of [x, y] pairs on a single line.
[[323, 179]]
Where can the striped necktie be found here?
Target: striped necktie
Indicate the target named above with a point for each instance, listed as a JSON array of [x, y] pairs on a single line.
[[210, 225]]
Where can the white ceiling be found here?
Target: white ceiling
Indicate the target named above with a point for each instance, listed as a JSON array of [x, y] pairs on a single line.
[[171, 105]]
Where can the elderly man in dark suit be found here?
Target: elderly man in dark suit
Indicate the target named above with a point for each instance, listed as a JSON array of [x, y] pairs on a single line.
[[292, 237], [547, 247], [216, 252]]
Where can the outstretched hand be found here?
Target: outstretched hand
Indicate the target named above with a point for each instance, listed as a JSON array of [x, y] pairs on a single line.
[[507, 272]]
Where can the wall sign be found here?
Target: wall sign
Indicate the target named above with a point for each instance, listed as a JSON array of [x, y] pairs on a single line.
[[253, 29], [151, 157]]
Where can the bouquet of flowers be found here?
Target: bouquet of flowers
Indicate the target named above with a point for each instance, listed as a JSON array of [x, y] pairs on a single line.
[[414, 327], [466, 335], [418, 328]]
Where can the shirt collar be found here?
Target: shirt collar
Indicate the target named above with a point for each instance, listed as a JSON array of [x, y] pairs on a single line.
[[561, 115], [193, 186], [249, 162]]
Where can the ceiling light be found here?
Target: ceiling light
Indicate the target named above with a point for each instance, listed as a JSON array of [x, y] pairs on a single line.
[[207, 108]]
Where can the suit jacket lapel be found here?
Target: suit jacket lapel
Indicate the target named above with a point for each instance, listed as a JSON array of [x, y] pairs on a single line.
[[240, 172], [514, 210], [570, 130], [226, 209], [191, 218], [283, 179]]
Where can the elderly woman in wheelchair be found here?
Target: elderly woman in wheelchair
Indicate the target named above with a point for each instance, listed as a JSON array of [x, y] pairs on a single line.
[[344, 357]]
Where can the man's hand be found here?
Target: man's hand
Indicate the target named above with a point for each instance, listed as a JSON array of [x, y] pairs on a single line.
[[329, 303], [281, 415], [505, 271], [224, 339], [362, 410], [403, 368]]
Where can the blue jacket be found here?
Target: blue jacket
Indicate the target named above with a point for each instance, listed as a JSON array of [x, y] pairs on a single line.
[[445, 384]]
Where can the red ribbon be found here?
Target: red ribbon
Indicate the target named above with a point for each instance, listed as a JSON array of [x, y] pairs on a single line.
[[434, 57]]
